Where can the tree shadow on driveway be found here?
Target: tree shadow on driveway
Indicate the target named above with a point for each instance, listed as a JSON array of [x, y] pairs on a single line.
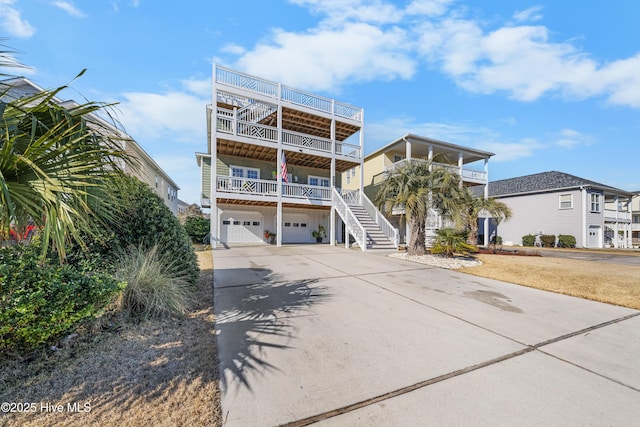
[[253, 319]]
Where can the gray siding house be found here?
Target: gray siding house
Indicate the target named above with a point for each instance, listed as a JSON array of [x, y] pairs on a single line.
[[597, 215]]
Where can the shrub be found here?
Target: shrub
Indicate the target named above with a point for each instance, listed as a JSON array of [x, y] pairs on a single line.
[[529, 240], [197, 228], [144, 220], [548, 240], [450, 241], [41, 301], [153, 286], [566, 241]]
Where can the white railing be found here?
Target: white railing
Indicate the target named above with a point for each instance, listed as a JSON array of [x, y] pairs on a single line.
[[256, 112], [262, 187], [348, 150], [306, 141], [349, 111], [256, 131], [351, 223], [302, 191], [351, 197], [614, 214], [383, 223], [237, 79], [232, 184], [466, 173], [245, 81], [224, 120], [305, 99]]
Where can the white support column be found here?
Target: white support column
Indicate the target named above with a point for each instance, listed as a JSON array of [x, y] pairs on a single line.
[[407, 148], [346, 232], [430, 156], [487, 221], [279, 169], [332, 220], [361, 174], [214, 228], [616, 203], [585, 242], [460, 165]]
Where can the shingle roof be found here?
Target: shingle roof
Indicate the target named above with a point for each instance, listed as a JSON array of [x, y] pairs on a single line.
[[545, 181]]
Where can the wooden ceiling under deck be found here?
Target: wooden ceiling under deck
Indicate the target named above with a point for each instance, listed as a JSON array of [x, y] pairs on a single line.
[[269, 154], [299, 121], [223, 201]]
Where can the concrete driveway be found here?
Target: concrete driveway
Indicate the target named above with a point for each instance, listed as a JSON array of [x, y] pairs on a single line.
[[314, 334]]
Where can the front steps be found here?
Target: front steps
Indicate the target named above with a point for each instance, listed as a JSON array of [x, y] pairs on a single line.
[[376, 239]]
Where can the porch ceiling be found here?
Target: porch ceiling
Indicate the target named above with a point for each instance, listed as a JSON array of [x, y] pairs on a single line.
[[269, 154], [223, 201], [303, 122]]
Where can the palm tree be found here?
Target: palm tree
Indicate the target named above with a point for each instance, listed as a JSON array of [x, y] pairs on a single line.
[[471, 209], [56, 166], [418, 187]]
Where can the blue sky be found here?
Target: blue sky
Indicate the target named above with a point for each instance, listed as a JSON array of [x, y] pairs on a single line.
[[544, 85]]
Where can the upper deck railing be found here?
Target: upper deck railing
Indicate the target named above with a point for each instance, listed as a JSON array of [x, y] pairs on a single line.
[[264, 87]]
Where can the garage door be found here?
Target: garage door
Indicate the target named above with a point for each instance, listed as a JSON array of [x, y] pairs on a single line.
[[241, 227], [295, 228]]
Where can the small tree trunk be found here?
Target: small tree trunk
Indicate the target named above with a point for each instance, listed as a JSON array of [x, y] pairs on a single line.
[[472, 239], [417, 241]]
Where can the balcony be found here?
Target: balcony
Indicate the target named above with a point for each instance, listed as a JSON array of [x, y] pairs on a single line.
[[267, 190], [228, 123], [612, 215], [468, 175], [290, 95]]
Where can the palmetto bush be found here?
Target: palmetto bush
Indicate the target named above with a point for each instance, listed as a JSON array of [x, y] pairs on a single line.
[[450, 241], [154, 287]]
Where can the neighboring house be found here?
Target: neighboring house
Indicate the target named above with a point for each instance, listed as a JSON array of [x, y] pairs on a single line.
[[148, 170], [272, 169], [597, 215], [472, 165], [635, 219]]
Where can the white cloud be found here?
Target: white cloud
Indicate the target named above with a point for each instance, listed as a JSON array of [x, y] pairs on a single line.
[[509, 151], [176, 116], [12, 22], [369, 40], [69, 8], [569, 138], [323, 59], [528, 15], [198, 87]]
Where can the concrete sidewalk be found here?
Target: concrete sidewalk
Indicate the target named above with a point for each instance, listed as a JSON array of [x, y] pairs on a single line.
[[319, 334]]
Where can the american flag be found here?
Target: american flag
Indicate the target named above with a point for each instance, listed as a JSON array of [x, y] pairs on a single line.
[[283, 171]]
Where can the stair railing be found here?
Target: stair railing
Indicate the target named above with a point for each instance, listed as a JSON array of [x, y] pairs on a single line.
[[351, 223], [389, 230]]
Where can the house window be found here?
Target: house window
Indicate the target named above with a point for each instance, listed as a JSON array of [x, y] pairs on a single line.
[[397, 158], [318, 180], [595, 202], [566, 201], [242, 172], [636, 219]]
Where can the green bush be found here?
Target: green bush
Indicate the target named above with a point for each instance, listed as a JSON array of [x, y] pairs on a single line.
[[450, 241], [153, 286], [566, 241], [548, 240], [144, 220], [40, 302], [529, 240], [197, 228]]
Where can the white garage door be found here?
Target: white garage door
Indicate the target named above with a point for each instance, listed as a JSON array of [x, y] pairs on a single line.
[[295, 228], [241, 227]]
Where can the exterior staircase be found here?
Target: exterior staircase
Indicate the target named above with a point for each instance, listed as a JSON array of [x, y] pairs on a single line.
[[376, 239]]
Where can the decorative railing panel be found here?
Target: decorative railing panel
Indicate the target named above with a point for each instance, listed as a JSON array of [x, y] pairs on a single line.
[[231, 184], [305, 99], [348, 111], [306, 141], [302, 191], [245, 81], [256, 131]]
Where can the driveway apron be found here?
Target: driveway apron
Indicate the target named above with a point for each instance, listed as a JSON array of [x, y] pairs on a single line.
[[314, 334]]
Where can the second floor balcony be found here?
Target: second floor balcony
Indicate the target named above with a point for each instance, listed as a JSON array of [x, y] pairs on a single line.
[[263, 190], [467, 175]]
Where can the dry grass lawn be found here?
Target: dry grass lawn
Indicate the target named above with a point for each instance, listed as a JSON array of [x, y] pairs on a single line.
[[599, 281], [156, 373]]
